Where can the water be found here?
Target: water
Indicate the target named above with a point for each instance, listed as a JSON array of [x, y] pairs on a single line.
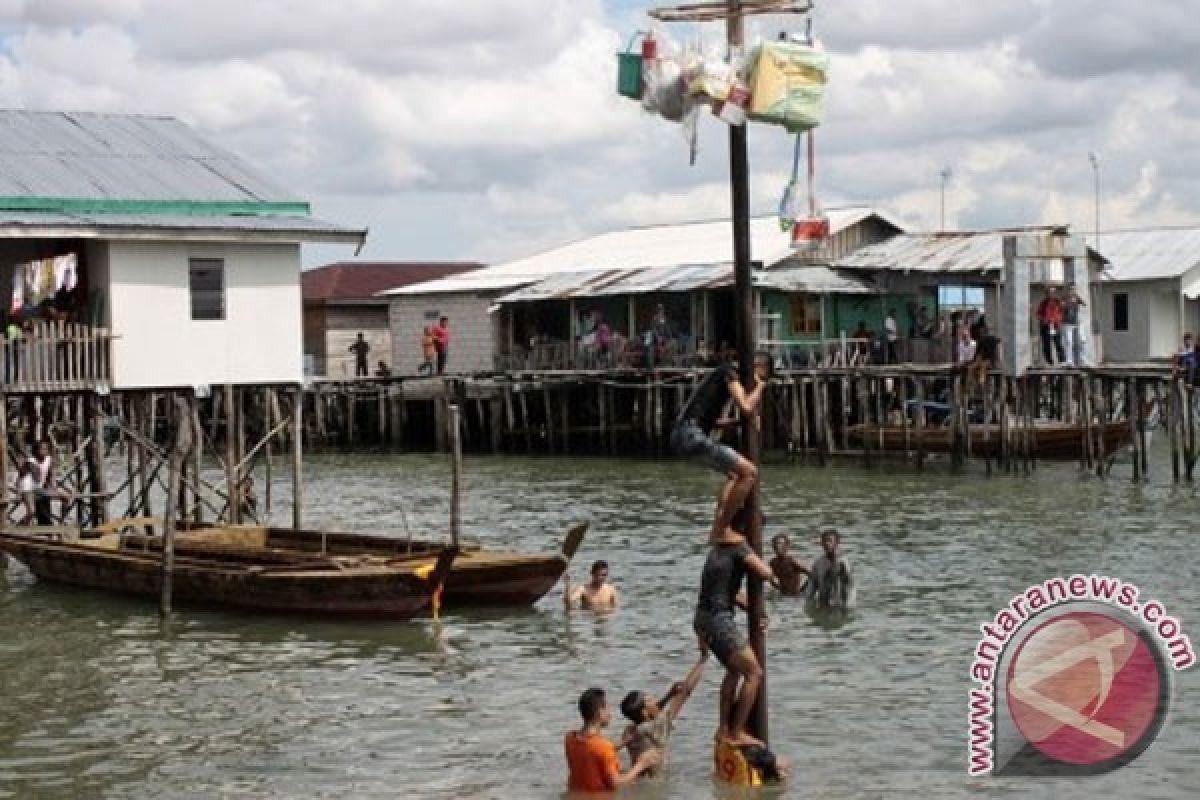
[[99, 701]]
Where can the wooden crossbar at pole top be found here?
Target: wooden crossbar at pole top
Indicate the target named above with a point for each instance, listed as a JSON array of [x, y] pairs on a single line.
[[722, 10]]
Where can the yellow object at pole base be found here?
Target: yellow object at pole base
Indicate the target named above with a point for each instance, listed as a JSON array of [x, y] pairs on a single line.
[[732, 767]]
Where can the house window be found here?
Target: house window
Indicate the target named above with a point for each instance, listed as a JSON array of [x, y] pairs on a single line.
[[206, 282], [806, 315], [960, 298], [1121, 312]]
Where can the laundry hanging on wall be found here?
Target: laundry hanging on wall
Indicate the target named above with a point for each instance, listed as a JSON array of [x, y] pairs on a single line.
[[36, 282]]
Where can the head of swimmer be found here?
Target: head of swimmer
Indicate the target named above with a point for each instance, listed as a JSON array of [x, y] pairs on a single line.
[[599, 574], [639, 707], [780, 543], [593, 707], [830, 539]]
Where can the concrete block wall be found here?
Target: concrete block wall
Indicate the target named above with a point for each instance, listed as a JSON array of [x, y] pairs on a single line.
[[472, 330]]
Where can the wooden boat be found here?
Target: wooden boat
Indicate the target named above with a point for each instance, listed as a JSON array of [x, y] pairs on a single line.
[[1052, 441], [258, 580], [478, 577]]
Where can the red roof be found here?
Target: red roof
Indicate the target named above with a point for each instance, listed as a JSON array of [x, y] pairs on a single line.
[[351, 279]]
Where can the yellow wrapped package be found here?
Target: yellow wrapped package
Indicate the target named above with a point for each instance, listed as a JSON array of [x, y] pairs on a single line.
[[787, 85]]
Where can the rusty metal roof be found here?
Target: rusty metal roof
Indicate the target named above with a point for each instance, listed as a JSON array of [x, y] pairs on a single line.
[[600, 283], [959, 251], [658, 246], [1151, 254]]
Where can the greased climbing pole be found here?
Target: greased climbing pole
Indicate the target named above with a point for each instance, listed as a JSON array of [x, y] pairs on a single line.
[[734, 13]]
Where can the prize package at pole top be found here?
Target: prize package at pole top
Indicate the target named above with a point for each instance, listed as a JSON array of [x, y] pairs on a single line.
[[780, 82]]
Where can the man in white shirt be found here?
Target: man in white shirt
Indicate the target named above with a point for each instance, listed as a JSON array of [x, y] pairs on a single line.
[[891, 334]]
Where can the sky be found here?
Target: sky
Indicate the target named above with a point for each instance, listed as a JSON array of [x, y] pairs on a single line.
[[491, 129]]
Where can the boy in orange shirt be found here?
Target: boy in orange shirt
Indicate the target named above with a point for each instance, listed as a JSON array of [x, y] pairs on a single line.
[[592, 763]]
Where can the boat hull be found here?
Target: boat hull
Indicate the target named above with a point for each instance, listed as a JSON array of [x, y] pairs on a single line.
[[478, 577], [1054, 442], [386, 593]]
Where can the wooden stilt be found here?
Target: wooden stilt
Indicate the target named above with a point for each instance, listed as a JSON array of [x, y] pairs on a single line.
[[232, 487], [298, 459]]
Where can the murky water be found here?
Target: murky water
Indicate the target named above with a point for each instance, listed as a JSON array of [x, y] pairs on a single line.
[[99, 701]]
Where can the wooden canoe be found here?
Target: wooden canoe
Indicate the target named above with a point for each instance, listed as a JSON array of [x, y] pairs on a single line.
[[478, 577], [1052, 441], [310, 585]]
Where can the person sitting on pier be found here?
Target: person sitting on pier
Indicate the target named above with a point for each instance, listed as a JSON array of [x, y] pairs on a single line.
[[592, 763], [651, 720], [830, 583], [694, 432], [987, 356], [792, 574], [729, 559], [382, 370], [596, 595]]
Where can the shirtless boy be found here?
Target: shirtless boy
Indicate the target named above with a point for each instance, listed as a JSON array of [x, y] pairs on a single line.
[[595, 595]]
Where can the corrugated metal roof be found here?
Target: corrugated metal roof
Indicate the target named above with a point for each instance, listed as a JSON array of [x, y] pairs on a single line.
[[599, 283], [123, 157], [31, 224], [931, 252], [1140, 255], [659, 246]]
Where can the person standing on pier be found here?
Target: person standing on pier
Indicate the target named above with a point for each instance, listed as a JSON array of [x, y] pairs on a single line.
[[1050, 321], [729, 559], [694, 434], [441, 342], [891, 334], [360, 348], [1072, 332]]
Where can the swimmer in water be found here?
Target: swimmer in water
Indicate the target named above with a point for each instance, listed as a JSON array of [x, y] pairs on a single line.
[[793, 575], [595, 595], [592, 763], [831, 584], [652, 720]]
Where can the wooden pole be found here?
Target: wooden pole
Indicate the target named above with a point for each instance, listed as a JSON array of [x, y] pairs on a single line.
[[739, 173], [231, 477], [455, 474], [197, 455], [4, 454], [298, 459], [181, 418]]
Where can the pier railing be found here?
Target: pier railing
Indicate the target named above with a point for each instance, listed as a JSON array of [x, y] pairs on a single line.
[[57, 356]]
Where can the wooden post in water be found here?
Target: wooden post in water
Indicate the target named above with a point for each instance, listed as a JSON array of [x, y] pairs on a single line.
[[4, 491], [197, 454], [455, 433], [298, 459], [180, 417], [231, 477]]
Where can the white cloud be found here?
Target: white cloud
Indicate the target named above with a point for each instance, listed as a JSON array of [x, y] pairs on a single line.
[[485, 128]]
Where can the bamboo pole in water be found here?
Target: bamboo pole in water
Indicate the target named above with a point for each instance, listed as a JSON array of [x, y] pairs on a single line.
[[181, 422], [298, 461], [1134, 440], [456, 467]]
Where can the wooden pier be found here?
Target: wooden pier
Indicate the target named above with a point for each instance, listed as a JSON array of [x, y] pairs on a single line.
[[112, 448], [870, 413]]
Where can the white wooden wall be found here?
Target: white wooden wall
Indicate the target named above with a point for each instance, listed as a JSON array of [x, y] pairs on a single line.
[[472, 330], [159, 344]]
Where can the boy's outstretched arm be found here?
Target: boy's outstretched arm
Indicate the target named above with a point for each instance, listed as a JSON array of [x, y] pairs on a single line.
[[680, 692]]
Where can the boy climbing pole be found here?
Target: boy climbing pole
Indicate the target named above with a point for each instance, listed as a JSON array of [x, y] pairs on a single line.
[[694, 434]]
